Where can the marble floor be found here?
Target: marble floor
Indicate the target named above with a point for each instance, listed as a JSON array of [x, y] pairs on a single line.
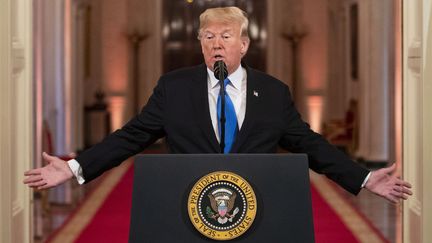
[[384, 215]]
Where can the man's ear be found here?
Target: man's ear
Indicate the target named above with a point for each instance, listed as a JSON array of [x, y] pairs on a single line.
[[244, 46]]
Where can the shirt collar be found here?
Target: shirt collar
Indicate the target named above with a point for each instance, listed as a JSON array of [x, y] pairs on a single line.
[[235, 78]]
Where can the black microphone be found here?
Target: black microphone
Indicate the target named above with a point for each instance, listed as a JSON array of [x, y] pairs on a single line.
[[220, 70], [221, 73]]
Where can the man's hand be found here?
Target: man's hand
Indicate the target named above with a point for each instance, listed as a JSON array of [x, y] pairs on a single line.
[[384, 183], [55, 173]]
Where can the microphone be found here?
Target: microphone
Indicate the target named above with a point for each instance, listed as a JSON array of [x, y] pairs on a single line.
[[220, 70], [221, 73]]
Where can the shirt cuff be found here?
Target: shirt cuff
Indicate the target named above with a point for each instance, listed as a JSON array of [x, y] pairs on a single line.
[[365, 180], [76, 170]]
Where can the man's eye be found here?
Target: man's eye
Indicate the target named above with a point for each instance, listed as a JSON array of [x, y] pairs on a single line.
[[226, 36], [209, 37]]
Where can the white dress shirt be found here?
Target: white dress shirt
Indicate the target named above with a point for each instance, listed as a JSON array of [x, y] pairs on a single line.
[[236, 90]]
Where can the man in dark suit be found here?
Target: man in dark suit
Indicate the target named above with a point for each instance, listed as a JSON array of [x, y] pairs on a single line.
[[185, 108]]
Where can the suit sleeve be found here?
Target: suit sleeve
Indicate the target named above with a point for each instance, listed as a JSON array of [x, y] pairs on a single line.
[[324, 158], [141, 131]]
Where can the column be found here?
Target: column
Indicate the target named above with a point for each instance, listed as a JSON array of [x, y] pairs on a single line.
[[376, 78], [114, 56], [144, 19]]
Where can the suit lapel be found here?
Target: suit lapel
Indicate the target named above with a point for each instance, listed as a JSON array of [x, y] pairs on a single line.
[[252, 99], [200, 102]]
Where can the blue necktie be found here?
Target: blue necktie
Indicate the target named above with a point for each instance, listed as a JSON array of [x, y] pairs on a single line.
[[231, 127]]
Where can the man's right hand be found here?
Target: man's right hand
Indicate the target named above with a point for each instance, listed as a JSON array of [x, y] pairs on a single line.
[[56, 172]]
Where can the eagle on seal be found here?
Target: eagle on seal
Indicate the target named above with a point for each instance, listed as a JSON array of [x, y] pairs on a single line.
[[222, 201]]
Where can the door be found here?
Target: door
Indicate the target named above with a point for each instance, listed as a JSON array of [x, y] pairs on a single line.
[[417, 116], [16, 123]]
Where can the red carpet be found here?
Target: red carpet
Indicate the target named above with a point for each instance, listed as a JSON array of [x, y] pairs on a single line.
[[111, 221], [328, 226]]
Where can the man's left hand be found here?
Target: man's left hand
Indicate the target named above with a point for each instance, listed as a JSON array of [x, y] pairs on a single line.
[[385, 183]]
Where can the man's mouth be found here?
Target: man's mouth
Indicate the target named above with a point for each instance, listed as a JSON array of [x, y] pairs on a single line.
[[218, 57]]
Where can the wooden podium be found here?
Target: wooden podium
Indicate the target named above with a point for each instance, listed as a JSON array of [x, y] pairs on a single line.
[[162, 194]]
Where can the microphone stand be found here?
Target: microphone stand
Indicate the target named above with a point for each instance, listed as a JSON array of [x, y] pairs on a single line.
[[222, 117], [221, 73]]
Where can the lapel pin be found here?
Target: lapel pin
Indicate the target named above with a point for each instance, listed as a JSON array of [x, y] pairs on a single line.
[[255, 93]]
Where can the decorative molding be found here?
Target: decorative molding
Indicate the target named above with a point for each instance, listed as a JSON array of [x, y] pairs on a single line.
[[414, 65], [414, 54], [18, 57], [414, 48]]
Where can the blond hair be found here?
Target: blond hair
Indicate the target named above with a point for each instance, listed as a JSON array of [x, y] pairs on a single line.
[[225, 15]]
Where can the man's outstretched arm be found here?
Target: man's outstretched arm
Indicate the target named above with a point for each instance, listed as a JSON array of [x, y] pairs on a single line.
[[56, 172], [141, 131]]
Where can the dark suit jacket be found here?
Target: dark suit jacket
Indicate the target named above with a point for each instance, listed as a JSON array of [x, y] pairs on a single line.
[[178, 109]]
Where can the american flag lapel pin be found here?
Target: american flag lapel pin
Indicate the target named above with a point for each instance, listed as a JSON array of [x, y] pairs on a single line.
[[255, 93]]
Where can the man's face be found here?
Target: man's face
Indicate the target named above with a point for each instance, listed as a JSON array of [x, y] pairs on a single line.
[[223, 41]]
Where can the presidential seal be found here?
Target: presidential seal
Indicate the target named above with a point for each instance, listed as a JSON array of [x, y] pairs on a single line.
[[222, 205]]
